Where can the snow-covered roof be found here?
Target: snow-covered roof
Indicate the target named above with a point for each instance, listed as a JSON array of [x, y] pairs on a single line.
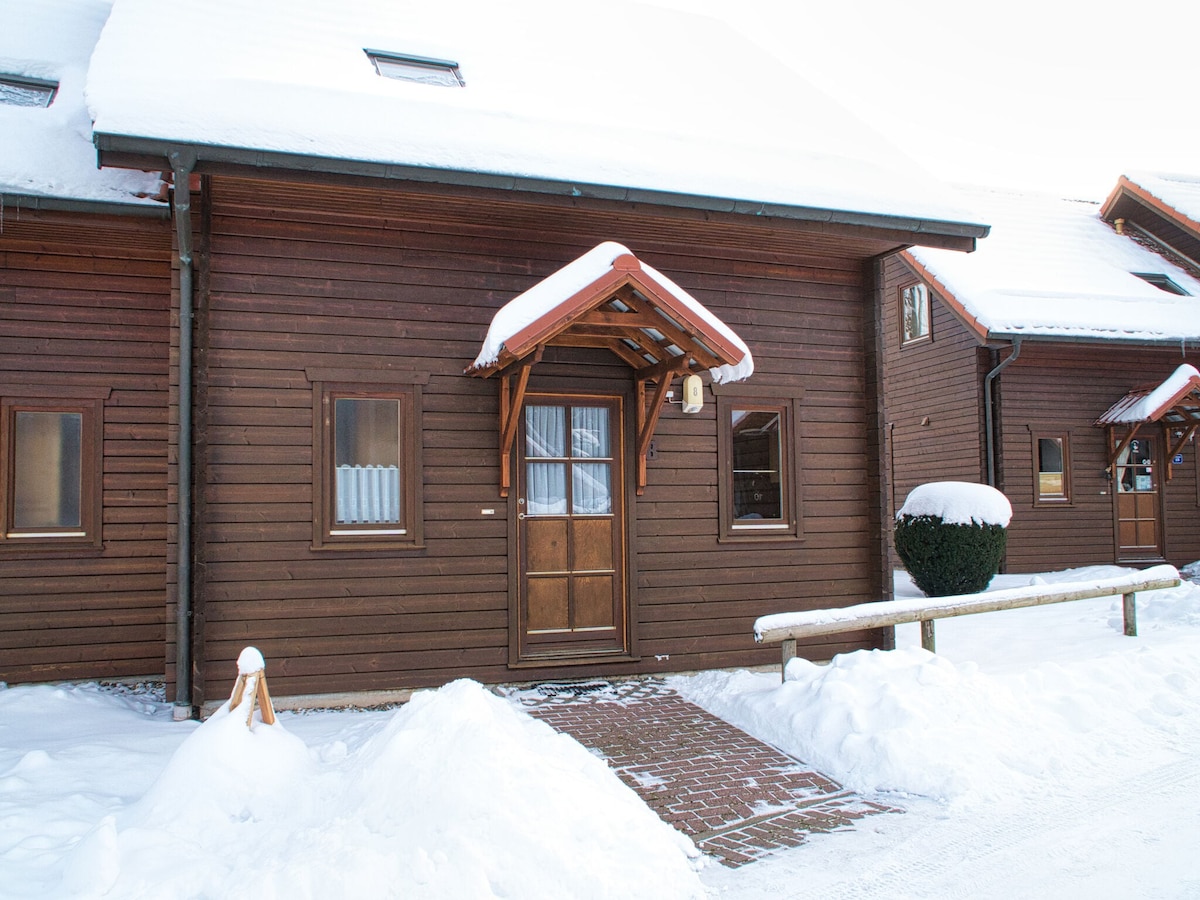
[[1180, 192], [1053, 269], [48, 152], [595, 97], [556, 302]]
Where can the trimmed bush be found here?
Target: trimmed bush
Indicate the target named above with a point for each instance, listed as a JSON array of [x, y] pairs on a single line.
[[947, 558], [951, 536]]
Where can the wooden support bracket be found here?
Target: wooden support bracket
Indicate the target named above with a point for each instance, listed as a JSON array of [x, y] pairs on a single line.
[[1177, 447], [647, 420], [1125, 442], [512, 400]]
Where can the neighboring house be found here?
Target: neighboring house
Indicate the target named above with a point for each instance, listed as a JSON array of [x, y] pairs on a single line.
[[85, 281], [441, 274], [1027, 366]]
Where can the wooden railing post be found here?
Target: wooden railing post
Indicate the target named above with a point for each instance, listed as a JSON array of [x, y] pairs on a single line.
[[789, 653], [1129, 608], [927, 639]]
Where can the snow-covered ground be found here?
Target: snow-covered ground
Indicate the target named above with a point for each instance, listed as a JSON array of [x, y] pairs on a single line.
[[1040, 754]]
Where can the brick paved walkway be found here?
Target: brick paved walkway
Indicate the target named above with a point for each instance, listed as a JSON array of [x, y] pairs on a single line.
[[736, 797]]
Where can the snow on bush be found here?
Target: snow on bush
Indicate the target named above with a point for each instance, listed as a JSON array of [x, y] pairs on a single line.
[[958, 503], [458, 795], [951, 536]]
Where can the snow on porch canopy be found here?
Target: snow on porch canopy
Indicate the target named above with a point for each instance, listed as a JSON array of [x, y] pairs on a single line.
[[1175, 404], [608, 298]]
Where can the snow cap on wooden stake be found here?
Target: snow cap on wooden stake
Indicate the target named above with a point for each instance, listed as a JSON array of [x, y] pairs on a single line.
[[250, 661]]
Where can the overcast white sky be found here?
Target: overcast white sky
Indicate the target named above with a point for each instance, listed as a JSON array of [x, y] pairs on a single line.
[[1049, 95]]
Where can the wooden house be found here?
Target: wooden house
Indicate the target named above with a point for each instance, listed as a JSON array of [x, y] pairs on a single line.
[[509, 346], [1028, 366], [85, 280]]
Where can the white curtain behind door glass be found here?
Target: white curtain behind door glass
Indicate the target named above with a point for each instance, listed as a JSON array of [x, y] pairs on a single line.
[[591, 492], [546, 487], [589, 432], [546, 482], [545, 431]]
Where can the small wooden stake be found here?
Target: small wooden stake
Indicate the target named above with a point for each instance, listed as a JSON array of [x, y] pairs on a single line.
[[259, 695]]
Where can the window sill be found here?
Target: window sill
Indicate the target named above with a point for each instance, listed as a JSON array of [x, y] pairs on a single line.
[[760, 537], [369, 546], [50, 548]]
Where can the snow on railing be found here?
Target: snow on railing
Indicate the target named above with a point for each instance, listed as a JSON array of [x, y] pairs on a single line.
[[789, 627]]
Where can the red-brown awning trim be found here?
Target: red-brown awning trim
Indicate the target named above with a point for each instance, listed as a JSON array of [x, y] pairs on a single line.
[[608, 298], [1173, 405]]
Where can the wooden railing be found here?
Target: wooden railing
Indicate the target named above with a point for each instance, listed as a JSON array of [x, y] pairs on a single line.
[[790, 627]]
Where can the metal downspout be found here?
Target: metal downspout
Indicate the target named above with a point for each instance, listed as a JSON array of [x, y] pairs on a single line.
[[989, 412], [182, 163]]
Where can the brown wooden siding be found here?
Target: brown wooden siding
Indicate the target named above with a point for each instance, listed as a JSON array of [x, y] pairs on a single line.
[[1068, 388], [932, 396], [1051, 388], [302, 276], [84, 304]]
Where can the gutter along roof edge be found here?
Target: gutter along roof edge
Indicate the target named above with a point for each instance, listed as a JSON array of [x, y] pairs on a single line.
[[17, 200], [130, 151], [1185, 342]]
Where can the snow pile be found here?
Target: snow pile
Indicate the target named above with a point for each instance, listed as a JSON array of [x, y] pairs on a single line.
[[456, 795], [913, 722], [958, 503]]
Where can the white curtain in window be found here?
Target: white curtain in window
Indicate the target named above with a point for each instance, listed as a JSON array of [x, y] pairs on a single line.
[[367, 495]]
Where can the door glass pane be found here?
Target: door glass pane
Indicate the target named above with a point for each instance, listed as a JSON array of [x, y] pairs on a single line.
[[589, 432], [1135, 467], [545, 431], [757, 478], [546, 488], [47, 470], [366, 461], [591, 489]]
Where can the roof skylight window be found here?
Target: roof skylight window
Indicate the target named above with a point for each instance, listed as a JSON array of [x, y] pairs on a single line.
[[16, 90], [421, 69], [1162, 282]]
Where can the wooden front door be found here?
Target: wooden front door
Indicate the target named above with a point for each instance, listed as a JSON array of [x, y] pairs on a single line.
[[1138, 495], [570, 529]]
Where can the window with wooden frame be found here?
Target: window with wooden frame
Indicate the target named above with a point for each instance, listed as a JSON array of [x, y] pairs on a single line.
[[367, 466], [1051, 467], [51, 451], [757, 450], [914, 313]]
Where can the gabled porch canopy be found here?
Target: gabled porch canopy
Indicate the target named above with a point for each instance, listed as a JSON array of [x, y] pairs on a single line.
[[1174, 405], [608, 298]]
